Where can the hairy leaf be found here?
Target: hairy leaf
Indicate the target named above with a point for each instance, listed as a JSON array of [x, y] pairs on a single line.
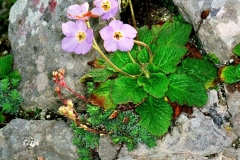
[[167, 57], [228, 74], [145, 35], [5, 65], [120, 59], [202, 69], [126, 90], [132, 68], [98, 75], [238, 70], [236, 49], [155, 115], [176, 33], [156, 85], [152, 68], [143, 56], [102, 97], [185, 89]]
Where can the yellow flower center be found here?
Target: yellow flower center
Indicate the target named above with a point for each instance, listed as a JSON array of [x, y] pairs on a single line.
[[106, 6], [118, 35], [81, 36]]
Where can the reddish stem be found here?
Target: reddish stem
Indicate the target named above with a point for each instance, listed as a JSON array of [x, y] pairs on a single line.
[[76, 94]]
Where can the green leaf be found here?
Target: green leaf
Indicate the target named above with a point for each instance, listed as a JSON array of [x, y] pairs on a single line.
[[132, 68], [145, 34], [15, 78], [204, 70], [152, 68], [238, 70], [236, 49], [167, 57], [102, 96], [212, 58], [156, 85], [5, 65], [120, 59], [228, 74], [99, 74], [155, 115], [143, 56], [2, 118], [185, 89], [176, 33], [126, 90]]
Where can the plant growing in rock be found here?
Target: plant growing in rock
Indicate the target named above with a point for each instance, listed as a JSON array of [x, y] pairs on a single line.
[[131, 89], [231, 74], [10, 98]]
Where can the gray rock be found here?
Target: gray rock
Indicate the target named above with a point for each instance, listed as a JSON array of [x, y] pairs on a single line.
[[29, 140], [193, 138], [35, 34], [233, 100], [220, 32]]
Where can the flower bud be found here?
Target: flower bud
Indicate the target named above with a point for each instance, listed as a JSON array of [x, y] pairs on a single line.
[[67, 112]]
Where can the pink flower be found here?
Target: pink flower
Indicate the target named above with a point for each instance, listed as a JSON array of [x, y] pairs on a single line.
[[78, 37], [105, 8], [79, 11], [118, 36]]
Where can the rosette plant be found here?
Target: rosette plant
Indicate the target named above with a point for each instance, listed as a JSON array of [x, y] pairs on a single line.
[[231, 74], [136, 79]]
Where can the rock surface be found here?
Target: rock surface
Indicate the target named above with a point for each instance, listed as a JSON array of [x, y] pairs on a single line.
[[29, 140], [35, 34], [233, 100], [220, 32], [195, 138]]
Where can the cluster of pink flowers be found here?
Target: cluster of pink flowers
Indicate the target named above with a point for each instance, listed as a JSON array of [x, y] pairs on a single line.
[[79, 38]]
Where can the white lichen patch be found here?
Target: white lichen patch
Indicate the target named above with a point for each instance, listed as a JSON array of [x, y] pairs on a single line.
[[33, 16], [30, 143], [42, 81], [40, 63], [17, 9]]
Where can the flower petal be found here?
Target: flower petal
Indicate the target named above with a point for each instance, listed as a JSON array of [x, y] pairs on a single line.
[[97, 3], [89, 35], [125, 44], [114, 3], [106, 32], [81, 25], [69, 28], [110, 14], [97, 11], [84, 7], [73, 11], [69, 44], [83, 47], [111, 45], [128, 31], [116, 25]]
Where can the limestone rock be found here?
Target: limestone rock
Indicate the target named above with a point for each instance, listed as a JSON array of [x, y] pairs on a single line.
[[220, 32], [192, 138], [233, 100], [29, 140], [35, 34]]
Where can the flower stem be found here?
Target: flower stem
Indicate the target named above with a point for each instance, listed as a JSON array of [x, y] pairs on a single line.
[[95, 46], [109, 62], [134, 20], [132, 13], [148, 49], [130, 56]]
